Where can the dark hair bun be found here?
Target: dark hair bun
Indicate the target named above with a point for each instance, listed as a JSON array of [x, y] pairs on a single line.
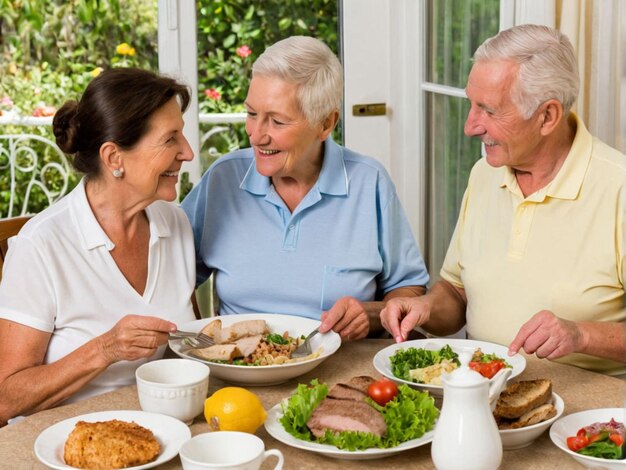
[[65, 129]]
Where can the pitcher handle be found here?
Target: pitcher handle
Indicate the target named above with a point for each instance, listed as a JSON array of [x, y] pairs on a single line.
[[498, 384]]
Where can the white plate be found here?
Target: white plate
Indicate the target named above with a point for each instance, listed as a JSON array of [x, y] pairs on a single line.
[[265, 375], [569, 426], [383, 365], [170, 432], [276, 430], [522, 437]]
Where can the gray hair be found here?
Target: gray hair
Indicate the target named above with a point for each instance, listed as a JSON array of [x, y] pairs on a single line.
[[547, 65], [312, 66]]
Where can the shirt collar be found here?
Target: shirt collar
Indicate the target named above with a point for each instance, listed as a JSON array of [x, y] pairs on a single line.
[[333, 178], [569, 179], [91, 233]]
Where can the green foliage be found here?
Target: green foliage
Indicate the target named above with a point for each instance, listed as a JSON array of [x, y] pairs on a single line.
[[51, 49]]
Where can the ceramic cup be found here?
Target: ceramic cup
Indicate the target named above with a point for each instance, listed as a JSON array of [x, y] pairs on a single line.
[[222, 450], [173, 387]]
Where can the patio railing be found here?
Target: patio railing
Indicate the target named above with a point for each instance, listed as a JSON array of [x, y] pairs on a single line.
[[34, 164]]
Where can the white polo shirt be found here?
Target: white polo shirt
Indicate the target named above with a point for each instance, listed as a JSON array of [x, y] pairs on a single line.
[[560, 249], [59, 277]]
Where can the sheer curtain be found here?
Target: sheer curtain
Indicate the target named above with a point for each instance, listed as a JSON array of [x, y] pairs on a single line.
[[594, 27]]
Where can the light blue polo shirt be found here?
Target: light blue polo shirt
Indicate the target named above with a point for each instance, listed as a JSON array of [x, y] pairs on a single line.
[[348, 237]]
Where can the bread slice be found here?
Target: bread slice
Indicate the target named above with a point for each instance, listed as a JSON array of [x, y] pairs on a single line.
[[521, 397]]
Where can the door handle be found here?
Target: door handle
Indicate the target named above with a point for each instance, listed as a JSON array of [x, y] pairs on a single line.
[[369, 109]]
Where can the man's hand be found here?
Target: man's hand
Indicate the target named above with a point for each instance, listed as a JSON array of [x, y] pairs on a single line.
[[348, 318], [548, 336], [402, 314]]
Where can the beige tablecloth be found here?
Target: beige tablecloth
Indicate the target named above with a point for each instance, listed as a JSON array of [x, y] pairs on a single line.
[[579, 389]]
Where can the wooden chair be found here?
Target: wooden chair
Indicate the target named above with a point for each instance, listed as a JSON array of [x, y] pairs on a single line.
[[8, 228]]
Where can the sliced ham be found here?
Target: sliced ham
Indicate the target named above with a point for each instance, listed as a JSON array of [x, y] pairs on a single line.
[[213, 330], [344, 392], [342, 415], [242, 329], [217, 352], [248, 345]]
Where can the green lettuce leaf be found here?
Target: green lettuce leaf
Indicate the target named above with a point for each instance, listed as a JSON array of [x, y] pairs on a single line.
[[408, 416], [405, 360]]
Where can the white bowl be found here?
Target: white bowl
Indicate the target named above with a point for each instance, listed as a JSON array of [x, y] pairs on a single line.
[[569, 426], [328, 343], [173, 387], [522, 437], [382, 363]]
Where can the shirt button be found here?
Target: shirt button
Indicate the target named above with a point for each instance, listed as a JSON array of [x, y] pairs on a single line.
[[291, 227]]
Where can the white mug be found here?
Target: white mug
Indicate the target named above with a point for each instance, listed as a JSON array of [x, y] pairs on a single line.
[[230, 450], [173, 387]]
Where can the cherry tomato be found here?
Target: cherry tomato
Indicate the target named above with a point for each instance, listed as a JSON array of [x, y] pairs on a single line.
[[486, 369], [382, 391], [575, 443]]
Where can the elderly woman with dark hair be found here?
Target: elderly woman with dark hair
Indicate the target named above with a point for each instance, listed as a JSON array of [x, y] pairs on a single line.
[[297, 224], [93, 285]]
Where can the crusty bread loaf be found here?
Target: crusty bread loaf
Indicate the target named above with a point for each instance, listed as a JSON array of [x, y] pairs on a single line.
[[521, 397], [534, 416]]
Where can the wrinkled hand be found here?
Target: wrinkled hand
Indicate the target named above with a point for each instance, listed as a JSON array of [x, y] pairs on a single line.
[[348, 318], [548, 336], [134, 337], [402, 314]]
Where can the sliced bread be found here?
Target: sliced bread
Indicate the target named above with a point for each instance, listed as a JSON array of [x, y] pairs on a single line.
[[521, 397]]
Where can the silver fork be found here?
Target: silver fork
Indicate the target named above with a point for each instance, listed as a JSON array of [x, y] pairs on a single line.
[[195, 340], [305, 348]]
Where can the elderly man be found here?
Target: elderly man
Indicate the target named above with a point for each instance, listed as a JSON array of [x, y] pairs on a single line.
[[537, 257]]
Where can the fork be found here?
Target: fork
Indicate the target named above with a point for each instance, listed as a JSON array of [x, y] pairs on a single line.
[[305, 348], [195, 340]]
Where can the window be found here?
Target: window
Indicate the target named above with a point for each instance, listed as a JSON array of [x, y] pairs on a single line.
[[453, 29]]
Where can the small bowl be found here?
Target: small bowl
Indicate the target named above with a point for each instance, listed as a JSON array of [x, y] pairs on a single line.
[[569, 426], [173, 387], [522, 437]]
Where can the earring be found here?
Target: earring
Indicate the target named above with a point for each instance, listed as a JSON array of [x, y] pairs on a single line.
[[118, 172]]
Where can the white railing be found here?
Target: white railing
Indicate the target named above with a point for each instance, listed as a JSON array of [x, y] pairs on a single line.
[[26, 172], [51, 178]]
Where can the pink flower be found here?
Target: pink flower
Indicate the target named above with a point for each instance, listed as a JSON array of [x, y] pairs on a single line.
[[6, 101], [213, 94], [244, 51]]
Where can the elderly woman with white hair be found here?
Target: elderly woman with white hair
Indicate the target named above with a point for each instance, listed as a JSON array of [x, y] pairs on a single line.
[[297, 224]]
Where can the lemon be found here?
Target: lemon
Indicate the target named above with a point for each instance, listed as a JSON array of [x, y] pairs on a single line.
[[234, 409]]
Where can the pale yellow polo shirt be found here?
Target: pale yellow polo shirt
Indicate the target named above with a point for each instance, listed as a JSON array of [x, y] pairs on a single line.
[[560, 249]]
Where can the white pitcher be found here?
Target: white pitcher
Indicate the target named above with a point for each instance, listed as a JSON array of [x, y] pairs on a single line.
[[466, 434]]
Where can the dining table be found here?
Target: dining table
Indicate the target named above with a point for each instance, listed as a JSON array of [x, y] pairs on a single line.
[[580, 390]]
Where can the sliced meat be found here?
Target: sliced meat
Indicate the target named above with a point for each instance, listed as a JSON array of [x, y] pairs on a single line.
[[341, 415], [360, 382], [248, 345], [217, 352], [344, 392], [244, 328], [213, 330]]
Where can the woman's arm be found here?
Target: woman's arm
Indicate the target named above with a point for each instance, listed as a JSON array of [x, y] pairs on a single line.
[[27, 385]]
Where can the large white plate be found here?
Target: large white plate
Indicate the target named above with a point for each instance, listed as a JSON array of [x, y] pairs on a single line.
[[569, 426], [383, 365], [265, 375], [276, 430], [170, 432]]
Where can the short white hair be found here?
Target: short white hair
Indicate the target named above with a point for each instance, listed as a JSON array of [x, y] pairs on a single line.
[[547, 65], [313, 67]]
